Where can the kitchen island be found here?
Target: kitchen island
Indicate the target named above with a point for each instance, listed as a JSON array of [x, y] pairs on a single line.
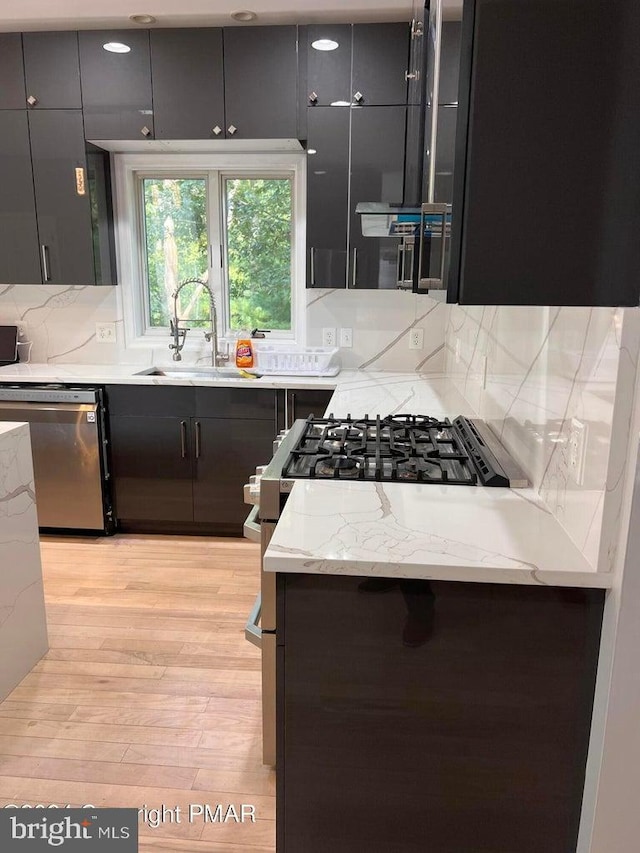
[[23, 626]]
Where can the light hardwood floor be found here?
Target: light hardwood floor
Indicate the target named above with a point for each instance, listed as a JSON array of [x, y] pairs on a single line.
[[150, 694]]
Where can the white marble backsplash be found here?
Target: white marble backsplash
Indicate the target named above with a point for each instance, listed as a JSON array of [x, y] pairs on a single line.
[[381, 321], [60, 324], [529, 371]]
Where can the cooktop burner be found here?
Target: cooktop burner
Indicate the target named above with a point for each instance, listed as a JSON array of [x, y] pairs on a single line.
[[414, 448]]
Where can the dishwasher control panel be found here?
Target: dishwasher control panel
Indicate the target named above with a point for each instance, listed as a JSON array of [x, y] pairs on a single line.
[[46, 394]]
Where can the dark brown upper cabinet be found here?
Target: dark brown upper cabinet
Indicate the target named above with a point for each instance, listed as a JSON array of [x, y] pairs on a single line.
[[188, 83], [328, 71], [260, 82], [52, 71], [63, 201], [19, 258], [366, 64], [116, 87], [546, 208], [12, 96], [380, 63]]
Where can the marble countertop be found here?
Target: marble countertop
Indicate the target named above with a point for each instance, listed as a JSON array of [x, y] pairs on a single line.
[[463, 533], [128, 374]]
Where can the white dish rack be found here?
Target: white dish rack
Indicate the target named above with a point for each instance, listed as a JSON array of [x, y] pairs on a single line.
[[292, 361]]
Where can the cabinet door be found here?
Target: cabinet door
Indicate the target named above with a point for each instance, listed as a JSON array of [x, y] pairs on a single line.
[[260, 82], [302, 402], [64, 213], [380, 63], [327, 196], [52, 70], [377, 174], [546, 202], [188, 85], [328, 71], [449, 62], [19, 256], [227, 452], [12, 95], [151, 461], [116, 87], [452, 716]]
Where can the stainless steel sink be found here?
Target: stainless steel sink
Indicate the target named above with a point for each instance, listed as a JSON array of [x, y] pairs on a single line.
[[193, 372]]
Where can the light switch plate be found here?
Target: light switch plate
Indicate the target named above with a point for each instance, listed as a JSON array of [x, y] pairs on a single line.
[[346, 338]]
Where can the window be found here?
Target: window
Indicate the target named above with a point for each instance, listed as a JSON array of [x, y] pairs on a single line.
[[232, 228]]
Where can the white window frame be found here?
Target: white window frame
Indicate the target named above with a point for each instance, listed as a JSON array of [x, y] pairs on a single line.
[[129, 234]]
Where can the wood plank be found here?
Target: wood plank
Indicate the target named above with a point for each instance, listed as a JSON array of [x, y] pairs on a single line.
[[96, 668], [47, 747], [104, 732], [103, 772], [112, 699], [35, 710]]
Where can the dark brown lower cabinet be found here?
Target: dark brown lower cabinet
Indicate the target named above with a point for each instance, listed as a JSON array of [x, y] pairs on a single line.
[[432, 717], [227, 453], [152, 468]]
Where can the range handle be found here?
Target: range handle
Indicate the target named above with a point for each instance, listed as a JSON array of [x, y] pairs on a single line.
[[251, 528], [252, 630]]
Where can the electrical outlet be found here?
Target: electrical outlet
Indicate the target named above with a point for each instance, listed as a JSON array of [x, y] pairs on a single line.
[[328, 337], [416, 338], [23, 332], [577, 450], [346, 338], [106, 333], [457, 350]]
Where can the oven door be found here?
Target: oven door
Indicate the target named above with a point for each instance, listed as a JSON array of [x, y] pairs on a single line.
[[260, 630]]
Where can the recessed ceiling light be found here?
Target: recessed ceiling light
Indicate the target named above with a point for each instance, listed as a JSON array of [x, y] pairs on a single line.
[[340, 103], [311, 151], [142, 19], [244, 15], [324, 44], [116, 47]]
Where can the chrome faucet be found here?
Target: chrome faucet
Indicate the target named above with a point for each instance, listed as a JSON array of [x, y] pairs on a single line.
[[179, 335]]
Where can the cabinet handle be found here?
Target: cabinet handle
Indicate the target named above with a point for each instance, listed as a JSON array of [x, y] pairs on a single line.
[[411, 75], [145, 131], [313, 266], [313, 98], [293, 407], [232, 129], [197, 439], [287, 423], [183, 438], [32, 100], [354, 271], [217, 130], [44, 252]]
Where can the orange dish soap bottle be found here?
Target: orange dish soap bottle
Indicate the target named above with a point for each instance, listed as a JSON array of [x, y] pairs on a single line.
[[244, 353]]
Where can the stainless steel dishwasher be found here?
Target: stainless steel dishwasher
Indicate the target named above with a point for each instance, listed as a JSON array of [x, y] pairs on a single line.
[[69, 453]]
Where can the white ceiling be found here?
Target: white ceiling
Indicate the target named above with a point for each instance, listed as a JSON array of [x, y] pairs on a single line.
[[97, 14]]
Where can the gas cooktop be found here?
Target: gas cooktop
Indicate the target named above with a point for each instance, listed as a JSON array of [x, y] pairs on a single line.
[[402, 448]]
